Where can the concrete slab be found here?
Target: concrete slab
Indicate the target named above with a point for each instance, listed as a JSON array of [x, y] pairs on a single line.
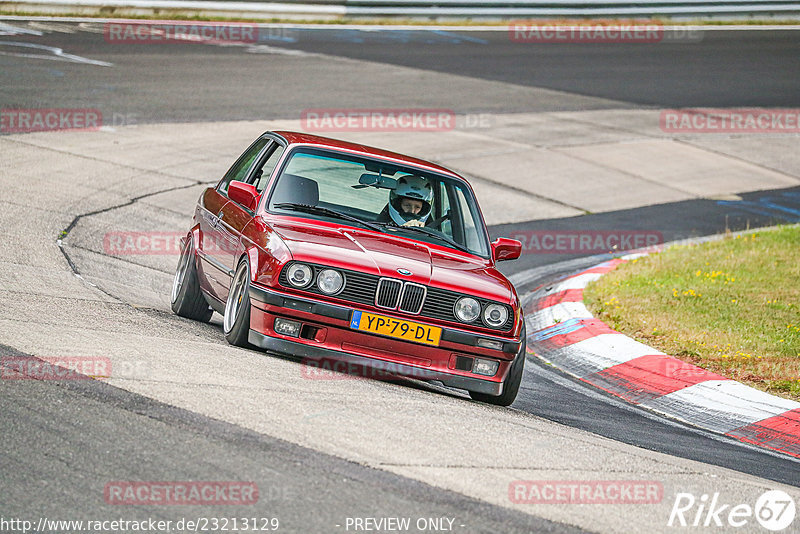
[[682, 167], [643, 123], [779, 153], [558, 129], [576, 183]]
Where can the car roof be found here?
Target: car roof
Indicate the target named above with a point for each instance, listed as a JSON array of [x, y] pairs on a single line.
[[327, 142]]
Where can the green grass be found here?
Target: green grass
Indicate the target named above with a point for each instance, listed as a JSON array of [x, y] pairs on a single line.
[[731, 306]]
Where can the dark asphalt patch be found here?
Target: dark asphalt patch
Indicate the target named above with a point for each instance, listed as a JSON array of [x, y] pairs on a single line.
[[65, 440]]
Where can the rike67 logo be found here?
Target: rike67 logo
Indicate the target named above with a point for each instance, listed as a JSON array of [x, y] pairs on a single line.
[[773, 510]]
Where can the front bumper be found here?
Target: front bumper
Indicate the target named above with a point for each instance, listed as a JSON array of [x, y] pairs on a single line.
[[338, 342], [286, 346]]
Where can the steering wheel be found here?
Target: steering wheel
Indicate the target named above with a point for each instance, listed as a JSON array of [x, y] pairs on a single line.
[[436, 223]]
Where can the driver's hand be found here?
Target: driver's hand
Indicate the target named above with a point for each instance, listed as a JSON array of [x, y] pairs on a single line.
[[414, 222]]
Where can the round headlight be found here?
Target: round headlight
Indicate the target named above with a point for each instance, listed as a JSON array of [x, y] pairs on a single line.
[[299, 274], [495, 315], [329, 281], [467, 309]]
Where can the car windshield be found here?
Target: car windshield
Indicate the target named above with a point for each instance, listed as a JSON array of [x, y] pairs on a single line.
[[382, 193]]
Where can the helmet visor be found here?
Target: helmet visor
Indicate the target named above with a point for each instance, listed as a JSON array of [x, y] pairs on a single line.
[[409, 209]]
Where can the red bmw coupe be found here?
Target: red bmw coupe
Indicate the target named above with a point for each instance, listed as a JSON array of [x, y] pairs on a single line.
[[336, 251]]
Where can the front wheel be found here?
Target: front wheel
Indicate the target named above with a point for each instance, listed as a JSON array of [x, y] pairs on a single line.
[[187, 298], [511, 383], [236, 323]]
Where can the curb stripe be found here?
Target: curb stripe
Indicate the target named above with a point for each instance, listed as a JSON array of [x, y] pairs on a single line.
[[780, 433], [558, 329], [568, 295], [721, 405], [579, 330], [597, 353], [648, 377], [559, 313], [579, 281], [601, 268], [565, 334]]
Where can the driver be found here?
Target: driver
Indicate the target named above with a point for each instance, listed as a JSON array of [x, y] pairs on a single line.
[[409, 202]]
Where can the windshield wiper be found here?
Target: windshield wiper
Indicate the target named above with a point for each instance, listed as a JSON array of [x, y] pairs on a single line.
[[319, 210], [436, 234]]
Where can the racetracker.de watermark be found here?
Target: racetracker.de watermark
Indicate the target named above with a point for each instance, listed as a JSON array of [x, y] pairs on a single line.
[[179, 32], [158, 243], [328, 369], [54, 368], [708, 120], [585, 492], [378, 120], [586, 241], [181, 493], [599, 32], [522, 31], [49, 119]]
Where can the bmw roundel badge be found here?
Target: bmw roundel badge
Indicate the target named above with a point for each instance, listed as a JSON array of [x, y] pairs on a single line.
[[404, 272]]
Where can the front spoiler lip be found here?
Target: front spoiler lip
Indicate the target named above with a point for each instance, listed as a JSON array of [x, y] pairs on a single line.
[[319, 353], [274, 298]]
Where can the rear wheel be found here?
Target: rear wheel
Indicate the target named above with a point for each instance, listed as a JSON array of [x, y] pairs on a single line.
[[236, 323], [187, 298], [511, 383]]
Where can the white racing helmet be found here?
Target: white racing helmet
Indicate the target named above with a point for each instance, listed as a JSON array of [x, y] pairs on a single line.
[[413, 187]]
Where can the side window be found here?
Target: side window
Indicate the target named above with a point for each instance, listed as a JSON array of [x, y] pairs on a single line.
[[470, 218], [444, 205], [262, 175], [242, 165]]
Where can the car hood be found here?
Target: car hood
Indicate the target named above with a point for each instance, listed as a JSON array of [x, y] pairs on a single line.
[[383, 255]]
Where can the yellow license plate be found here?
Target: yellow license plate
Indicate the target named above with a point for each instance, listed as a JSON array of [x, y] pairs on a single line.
[[406, 330]]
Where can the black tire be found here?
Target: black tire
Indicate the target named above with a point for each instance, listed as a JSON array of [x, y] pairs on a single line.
[[236, 322], [187, 298], [511, 383]]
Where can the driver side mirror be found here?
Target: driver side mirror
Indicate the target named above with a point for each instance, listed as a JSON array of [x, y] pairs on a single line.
[[506, 249], [244, 194]]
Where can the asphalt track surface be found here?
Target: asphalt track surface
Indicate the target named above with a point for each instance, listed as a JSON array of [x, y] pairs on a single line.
[[88, 425], [101, 430], [714, 68], [157, 82]]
